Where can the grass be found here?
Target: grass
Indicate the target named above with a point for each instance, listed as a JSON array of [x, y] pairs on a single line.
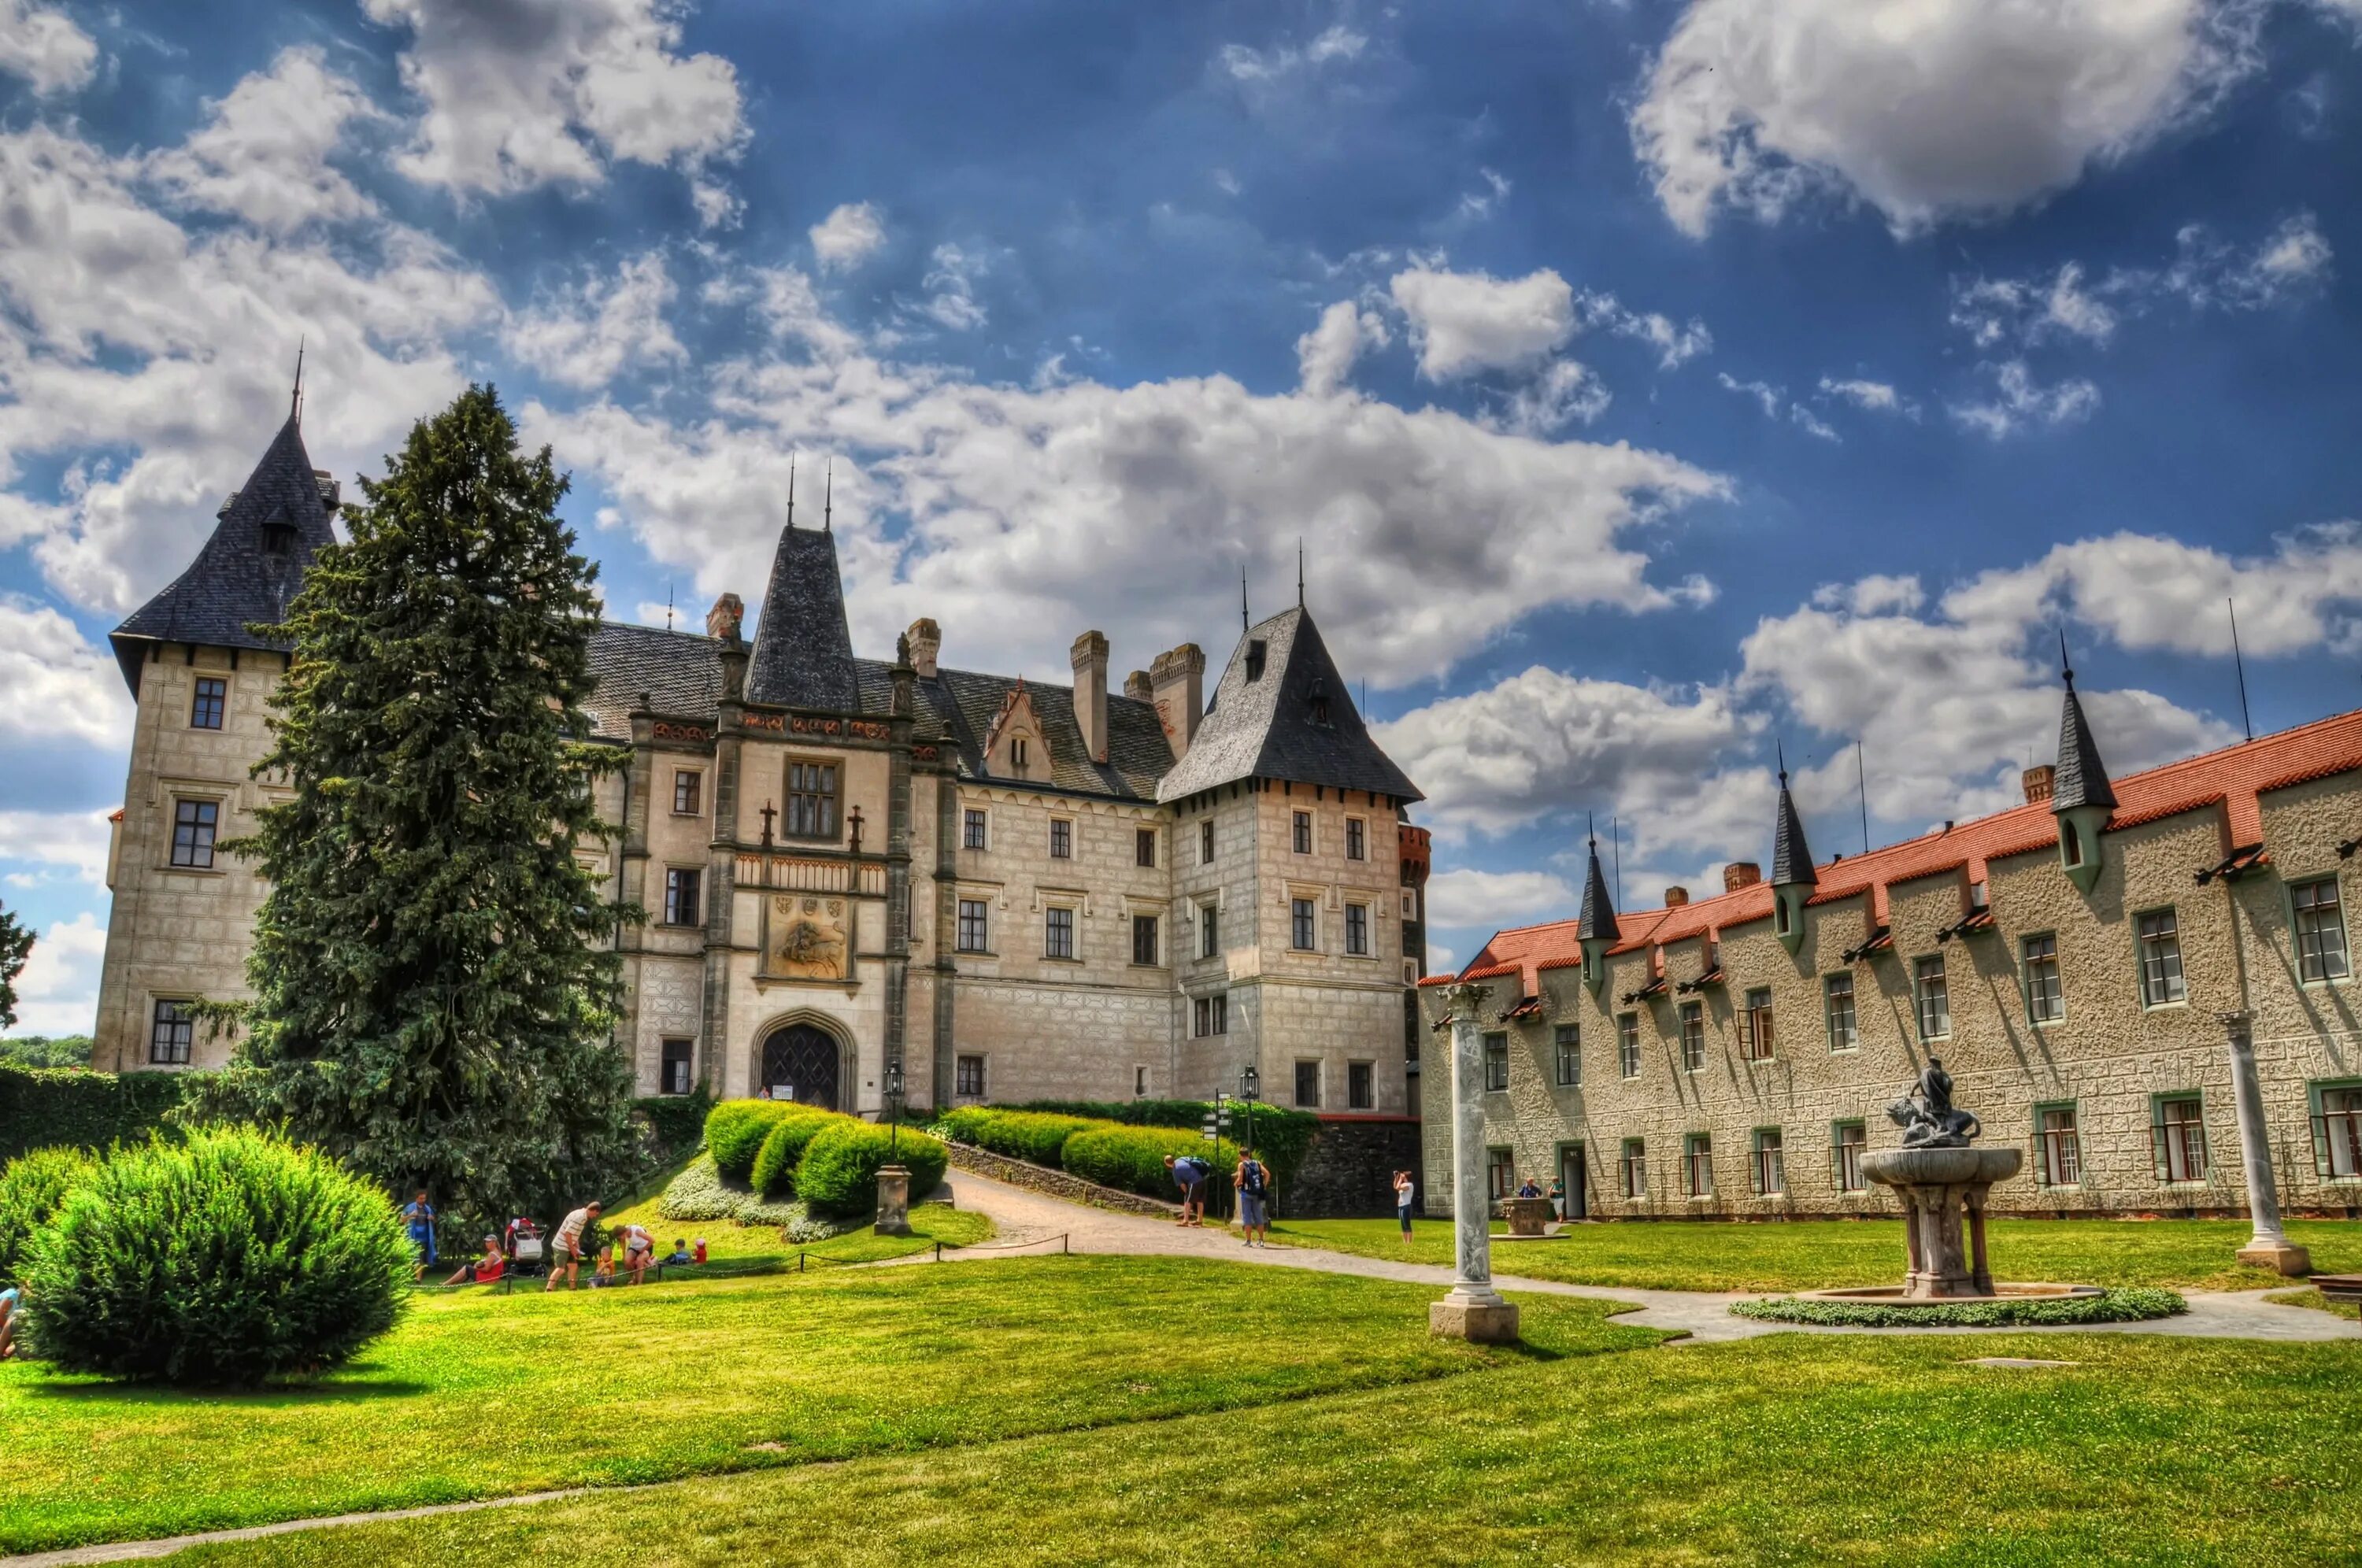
[[2308, 1297], [478, 1394], [1816, 1254], [1786, 1449], [728, 1242]]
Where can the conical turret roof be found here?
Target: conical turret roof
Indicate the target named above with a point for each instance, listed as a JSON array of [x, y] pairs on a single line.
[[1791, 857], [2082, 778], [803, 648], [1597, 921]]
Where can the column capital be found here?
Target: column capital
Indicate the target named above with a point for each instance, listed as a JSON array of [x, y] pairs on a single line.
[[2238, 1022], [1463, 1000]]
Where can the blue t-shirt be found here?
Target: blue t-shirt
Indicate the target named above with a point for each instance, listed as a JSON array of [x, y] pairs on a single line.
[[422, 1221], [1189, 1170]]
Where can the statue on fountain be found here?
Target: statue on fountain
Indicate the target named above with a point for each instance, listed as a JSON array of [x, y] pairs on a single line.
[[1926, 1115]]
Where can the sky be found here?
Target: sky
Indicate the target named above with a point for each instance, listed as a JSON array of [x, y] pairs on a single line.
[[1654, 388]]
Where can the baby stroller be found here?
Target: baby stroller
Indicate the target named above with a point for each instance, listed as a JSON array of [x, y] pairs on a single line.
[[526, 1253]]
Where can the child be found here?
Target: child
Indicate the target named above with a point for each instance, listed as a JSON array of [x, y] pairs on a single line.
[[680, 1253], [605, 1274], [701, 1251]]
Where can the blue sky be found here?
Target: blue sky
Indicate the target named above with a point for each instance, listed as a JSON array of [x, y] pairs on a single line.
[[1650, 383]]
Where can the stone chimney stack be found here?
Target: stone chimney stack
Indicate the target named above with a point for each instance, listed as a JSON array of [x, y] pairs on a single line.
[[1176, 680], [1676, 897], [1136, 686], [926, 642], [1740, 874], [1090, 659], [2038, 782]]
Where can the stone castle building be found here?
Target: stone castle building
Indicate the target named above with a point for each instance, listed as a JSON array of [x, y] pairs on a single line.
[[2079, 963], [1015, 889]]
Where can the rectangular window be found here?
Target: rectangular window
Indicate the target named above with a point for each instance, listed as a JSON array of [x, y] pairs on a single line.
[[2320, 930], [1770, 1174], [1144, 846], [1628, 1044], [1144, 948], [1500, 1174], [1308, 1085], [682, 906], [1636, 1168], [969, 1078], [1569, 1047], [2181, 1139], [1755, 1025], [1210, 930], [1357, 929], [1057, 932], [688, 789], [1837, 1007], [2063, 1149], [1062, 839], [2161, 959], [1360, 1087], [973, 929], [1693, 1037], [1496, 1063], [1698, 1166], [1304, 833], [673, 1076], [2045, 1003], [1934, 997], [972, 829], [1206, 842], [1018, 753], [1303, 931], [1219, 1014], [1849, 1139], [2341, 1133], [1356, 831], [194, 823], [205, 706], [812, 800], [173, 1034]]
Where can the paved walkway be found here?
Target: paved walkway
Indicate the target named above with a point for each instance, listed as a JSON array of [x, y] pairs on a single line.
[[1031, 1222]]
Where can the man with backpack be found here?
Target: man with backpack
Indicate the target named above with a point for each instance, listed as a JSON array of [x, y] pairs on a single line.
[[1253, 1180]]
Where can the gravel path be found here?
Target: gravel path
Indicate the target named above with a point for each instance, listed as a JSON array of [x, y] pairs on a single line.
[[1031, 1222]]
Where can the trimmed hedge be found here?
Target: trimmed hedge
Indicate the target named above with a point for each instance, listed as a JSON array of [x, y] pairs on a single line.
[[675, 1122], [2131, 1306], [838, 1173], [46, 1108], [774, 1171], [230, 1258], [1030, 1135], [734, 1131], [1132, 1158], [32, 1189], [1283, 1137]]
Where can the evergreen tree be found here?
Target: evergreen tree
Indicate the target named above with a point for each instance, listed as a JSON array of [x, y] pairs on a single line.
[[16, 946], [434, 986]]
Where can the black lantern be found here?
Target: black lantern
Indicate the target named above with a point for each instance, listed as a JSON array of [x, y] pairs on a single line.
[[894, 1108], [1250, 1081]]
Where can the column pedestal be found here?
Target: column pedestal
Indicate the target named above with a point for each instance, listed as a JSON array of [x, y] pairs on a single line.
[[893, 1200]]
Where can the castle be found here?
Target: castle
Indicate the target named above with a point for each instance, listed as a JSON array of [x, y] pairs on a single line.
[[1010, 888]]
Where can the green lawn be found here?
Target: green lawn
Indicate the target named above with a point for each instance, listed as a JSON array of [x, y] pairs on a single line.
[[1789, 1449], [1816, 1254], [727, 1242], [2308, 1297], [480, 1395]]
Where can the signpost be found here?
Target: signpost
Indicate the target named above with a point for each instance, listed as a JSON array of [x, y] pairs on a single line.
[[1215, 1123]]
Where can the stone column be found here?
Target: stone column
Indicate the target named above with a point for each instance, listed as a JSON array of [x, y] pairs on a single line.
[[2269, 1247], [1473, 1310]]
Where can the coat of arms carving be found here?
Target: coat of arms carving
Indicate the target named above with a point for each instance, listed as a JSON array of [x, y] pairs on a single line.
[[807, 938]]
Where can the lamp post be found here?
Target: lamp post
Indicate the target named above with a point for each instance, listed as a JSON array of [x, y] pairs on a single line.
[[1249, 1082], [893, 1177]]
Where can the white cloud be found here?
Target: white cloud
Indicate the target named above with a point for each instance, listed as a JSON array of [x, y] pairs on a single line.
[[595, 328], [1478, 205], [1267, 68], [53, 684], [1465, 322], [789, 304], [1925, 109], [41, 45], [74, 841], [1325, 355], [849, 235], [2019, 403], [952, 282], [57, 992], [1875, 397], [1776, 405], [1490, 899], [525, 93], [263, 155], [1561, 394], [2207, 274], [1675, 344]]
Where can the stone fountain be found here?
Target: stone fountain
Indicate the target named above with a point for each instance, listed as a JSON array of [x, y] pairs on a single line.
[[1943, 1182]]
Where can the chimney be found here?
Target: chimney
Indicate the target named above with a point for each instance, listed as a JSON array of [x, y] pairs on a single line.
[[1090, 659], [1740, 874], [2039, 781], [1676, 897], [1137, 688], [926, 641], [721, 621], [1176, 681]]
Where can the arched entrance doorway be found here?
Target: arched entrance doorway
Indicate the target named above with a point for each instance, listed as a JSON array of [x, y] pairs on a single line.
[[800, 1063]]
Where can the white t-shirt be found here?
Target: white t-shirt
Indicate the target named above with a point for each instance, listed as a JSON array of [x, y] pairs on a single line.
[[569, 1231]]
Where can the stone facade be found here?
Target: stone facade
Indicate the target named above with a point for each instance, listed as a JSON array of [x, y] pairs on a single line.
[[2137, 1065]]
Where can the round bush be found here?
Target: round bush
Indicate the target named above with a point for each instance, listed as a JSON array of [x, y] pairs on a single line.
[[228, 1258], [773, 1173], [735, 1129], [839, 1171], [31, 1190], [1132, 1158]]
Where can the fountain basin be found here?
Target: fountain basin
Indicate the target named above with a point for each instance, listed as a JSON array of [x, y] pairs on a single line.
[[1941, 1167]]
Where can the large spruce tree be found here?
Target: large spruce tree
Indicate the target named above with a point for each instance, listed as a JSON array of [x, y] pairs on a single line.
[[434, 982]]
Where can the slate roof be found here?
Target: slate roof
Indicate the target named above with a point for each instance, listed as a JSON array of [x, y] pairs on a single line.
[[1137, 753], [803, 649], [1791, 857], [2082, 778], [678, 670], [1597, 920], [235, 582], [1267, 728]]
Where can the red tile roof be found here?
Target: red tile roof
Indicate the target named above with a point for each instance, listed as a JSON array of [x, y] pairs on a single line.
[[2233, 777]]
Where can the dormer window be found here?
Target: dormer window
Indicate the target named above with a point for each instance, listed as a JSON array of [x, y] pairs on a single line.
[[2070, 843], [278, 535], [1320, 703], [1254, 659]]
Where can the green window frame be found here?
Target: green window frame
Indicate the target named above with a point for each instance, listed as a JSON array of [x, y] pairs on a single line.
[[1837, 1014], [2335, 1109], [2058, 1145], [2037, 963], [2316, 915]]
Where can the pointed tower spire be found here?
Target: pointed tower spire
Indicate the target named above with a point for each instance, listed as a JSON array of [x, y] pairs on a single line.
[[1244, 624], [1597, 921], [791, 490], [2082, 778], [1299, 571], [296, 400], [828, 496], [1791, 857]]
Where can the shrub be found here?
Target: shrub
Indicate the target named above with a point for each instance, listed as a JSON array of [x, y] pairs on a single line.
[[839, 1173], [31, 1188], [1020, 1135], [735, 1129], [2131, 1306], [773, 1172], [1132, 1158], [675, 1122], [228, 1258], [699, 1193], [1283, 1137], [72, 1107]]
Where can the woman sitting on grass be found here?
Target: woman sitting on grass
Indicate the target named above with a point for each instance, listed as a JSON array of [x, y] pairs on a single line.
[[11, 1301], [483, 1270]]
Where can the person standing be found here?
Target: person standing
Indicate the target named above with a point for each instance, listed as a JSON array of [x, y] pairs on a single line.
[[1253, 1181], [1404, 1188], [1557, 1196], [565, 1248], [419, 1218]]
